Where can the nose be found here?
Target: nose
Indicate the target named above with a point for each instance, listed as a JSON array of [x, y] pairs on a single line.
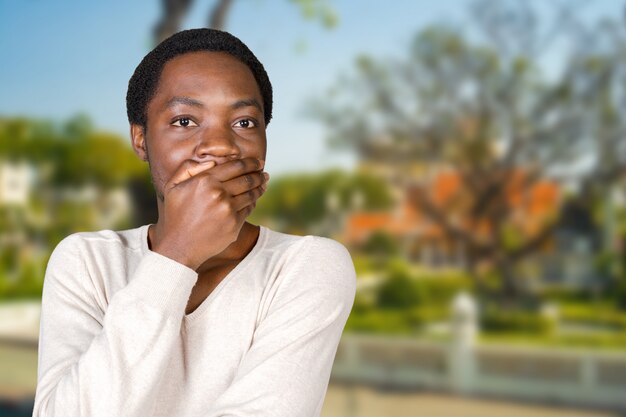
[[216, 143]]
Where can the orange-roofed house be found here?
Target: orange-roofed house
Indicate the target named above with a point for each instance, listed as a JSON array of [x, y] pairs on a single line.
[[566, 257]]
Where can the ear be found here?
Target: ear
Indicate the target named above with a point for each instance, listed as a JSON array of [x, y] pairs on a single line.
[[138, 140]]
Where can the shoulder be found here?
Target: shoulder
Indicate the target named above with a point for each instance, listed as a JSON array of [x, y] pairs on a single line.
[[315, 260], [86, 253], [90, 262], [326, 252], [100, 240], [308, 247]]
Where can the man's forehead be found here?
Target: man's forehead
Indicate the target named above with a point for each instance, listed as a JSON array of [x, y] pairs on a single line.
[[206, 59], [189, 77], [205, 69]]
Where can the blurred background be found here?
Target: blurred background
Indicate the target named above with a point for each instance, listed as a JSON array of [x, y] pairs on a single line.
[[470, 154]]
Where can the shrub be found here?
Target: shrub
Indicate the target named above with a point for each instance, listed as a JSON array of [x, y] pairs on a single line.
[[593, 314], [380, 321], [381, 244], [361, 303], [400, 290], [441, 288], [418, 316], [620, 292], [520, 321]]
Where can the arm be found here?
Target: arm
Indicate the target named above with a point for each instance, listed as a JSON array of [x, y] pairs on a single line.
[[286, 371], [96, 364]]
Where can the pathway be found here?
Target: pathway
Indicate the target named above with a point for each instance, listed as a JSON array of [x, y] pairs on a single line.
[[368, 402]]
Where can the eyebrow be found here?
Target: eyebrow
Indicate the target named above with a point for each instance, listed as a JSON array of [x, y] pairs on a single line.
[[188, 101], [251, 102]]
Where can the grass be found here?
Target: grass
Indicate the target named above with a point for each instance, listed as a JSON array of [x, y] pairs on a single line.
[[608, 319], [613, 342]]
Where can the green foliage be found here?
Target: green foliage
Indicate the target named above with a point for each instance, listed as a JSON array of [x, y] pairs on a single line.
[[452, 99], [364, 318], [590, 340], [400, 290], [75, 153], [98, 158], [565, 295], [441, 288], [421, 315], [64, 157], [381, 244], [361, 304], [620, 292], [298, 202], [363, 265], [380, 321], [319, 9], [26, 285], [594, 341], [496, 320], [403, 289], [512, 237], [597, 314], [406, 300]]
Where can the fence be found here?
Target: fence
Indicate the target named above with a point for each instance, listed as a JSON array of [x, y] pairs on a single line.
[[568, 377], [573, 378]]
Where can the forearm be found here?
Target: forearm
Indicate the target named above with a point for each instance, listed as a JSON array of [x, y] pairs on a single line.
[[120, 371]]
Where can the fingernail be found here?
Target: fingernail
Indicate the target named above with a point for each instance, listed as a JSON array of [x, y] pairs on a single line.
[[262, 161], [267, 176], [264, 187]]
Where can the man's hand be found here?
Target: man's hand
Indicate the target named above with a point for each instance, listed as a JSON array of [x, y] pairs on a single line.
[[204, 208]]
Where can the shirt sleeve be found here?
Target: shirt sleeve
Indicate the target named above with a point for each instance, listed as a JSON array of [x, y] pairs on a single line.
[[286, 371], [95, 363]]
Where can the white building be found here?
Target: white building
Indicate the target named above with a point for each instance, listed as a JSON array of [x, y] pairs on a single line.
[[16, 181]]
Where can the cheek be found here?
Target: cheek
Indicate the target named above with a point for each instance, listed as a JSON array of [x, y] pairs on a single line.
[[167, 159], [256, 148], [176, 155]]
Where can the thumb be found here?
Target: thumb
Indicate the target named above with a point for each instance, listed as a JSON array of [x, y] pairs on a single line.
[[187, 170]]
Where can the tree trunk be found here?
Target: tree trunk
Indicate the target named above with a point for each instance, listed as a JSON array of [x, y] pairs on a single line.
[[510, 292], [174, 12], [217, 19]]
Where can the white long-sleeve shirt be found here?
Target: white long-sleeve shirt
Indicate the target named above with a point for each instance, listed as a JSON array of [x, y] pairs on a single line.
[[115, 340]]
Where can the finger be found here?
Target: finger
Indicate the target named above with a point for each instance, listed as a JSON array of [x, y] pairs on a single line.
[[237, 167], [243, 200], [187, 170], [246, 182], [245, 212]]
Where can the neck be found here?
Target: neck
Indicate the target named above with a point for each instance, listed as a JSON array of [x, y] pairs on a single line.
[[233, 253], [236, 251]]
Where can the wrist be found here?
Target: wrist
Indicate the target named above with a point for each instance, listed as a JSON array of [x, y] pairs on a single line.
[[169, 249], [174, 253]]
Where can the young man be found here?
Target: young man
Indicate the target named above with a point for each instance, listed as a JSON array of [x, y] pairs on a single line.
[[201, 314]]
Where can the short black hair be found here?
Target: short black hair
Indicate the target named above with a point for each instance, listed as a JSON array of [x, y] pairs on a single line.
[[144, 81]]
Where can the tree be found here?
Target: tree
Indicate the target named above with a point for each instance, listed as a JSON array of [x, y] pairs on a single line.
[[299, 202], [174, 11], [75, 152], [494, 113], [67, 158]]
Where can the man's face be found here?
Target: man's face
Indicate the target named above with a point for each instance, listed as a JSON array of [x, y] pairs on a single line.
[[207, 107]]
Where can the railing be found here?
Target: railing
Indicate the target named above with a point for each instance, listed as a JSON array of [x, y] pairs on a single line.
[[568, 377]]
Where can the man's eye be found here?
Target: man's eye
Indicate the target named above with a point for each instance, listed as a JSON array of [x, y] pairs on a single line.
[[183, 122], [245, 123]]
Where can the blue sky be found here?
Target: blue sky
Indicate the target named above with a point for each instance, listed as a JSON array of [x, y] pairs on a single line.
[[64, 57]]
